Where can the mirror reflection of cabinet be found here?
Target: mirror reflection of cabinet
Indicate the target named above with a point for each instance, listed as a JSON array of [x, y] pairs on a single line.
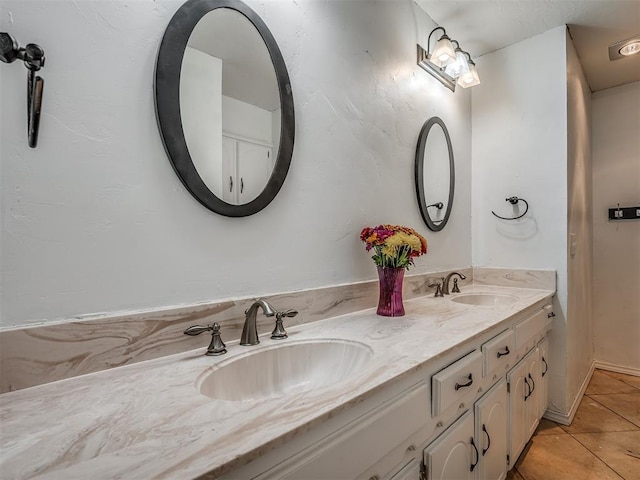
[[246, 168]]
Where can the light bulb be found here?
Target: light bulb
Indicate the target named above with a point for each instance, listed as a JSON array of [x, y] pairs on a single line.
[[471, 78], [444, 53], [459, 67], [630, 49]]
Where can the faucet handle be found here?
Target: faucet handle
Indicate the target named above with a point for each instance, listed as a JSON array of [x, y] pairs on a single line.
[[197, 329], [455, 288], [217, 346], [438, 288], [279, 332]]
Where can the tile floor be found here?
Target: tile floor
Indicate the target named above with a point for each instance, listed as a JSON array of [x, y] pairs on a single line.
[[602, 443]]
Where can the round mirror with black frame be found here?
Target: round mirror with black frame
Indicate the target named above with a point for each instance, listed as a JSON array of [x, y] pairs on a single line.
[[435, 174], [217, 61]]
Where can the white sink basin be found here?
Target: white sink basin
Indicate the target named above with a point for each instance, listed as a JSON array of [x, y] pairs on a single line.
[[284, 369], [484, 299]]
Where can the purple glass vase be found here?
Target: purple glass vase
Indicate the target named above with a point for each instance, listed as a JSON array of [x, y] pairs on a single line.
[[390, 301]]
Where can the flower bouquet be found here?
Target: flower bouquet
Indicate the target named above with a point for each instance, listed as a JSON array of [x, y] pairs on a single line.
[[394, 247]]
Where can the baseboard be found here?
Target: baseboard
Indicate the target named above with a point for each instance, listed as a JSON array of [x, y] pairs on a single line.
[[610, 367], [567, 418]]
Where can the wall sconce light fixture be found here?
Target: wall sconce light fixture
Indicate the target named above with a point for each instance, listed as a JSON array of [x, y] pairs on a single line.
[[449, 65], [33, 57]]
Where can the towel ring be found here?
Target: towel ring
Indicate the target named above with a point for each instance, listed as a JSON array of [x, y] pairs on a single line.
[[513, 201]]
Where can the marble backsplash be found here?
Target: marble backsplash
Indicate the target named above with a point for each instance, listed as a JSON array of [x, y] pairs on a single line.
[[48, 352]]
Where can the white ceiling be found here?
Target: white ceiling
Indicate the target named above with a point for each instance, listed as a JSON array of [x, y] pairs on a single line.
[[483, 26]]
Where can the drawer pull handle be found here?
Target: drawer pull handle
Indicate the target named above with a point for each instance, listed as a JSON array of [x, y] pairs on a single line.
[[528, 394], [546, 367], [551, 315], [473, 465], [485, 450], [468, 384], [506, 352]]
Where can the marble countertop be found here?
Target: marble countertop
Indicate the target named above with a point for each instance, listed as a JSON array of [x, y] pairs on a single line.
[[148, 420]]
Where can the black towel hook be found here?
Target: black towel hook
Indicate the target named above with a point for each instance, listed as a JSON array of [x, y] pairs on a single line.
[[513, 201]]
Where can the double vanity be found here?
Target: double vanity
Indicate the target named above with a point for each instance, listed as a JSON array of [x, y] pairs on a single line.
[[453, 389]]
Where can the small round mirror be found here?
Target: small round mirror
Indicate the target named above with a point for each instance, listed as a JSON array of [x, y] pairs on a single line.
[[435, 174]]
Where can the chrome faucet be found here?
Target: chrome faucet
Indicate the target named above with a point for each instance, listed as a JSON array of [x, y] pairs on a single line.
[[447, 279], [249, 331]]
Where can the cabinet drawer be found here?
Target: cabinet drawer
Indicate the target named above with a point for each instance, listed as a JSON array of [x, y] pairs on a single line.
[[528, 331], [499, 352], [450, 385]]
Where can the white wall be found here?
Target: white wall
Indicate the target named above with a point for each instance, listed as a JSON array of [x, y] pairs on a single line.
[[201, 106], [580, 241], [616, 245], [519, 143], [276, 129], [246, 120], [95, 219]]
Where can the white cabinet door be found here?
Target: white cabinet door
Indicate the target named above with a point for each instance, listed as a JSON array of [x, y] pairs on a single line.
[[491, 432], [229, 170], [532, 400], [518, 390], [453, 454], [524, 394], [254, 170], [246, 169], [544, 377]]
